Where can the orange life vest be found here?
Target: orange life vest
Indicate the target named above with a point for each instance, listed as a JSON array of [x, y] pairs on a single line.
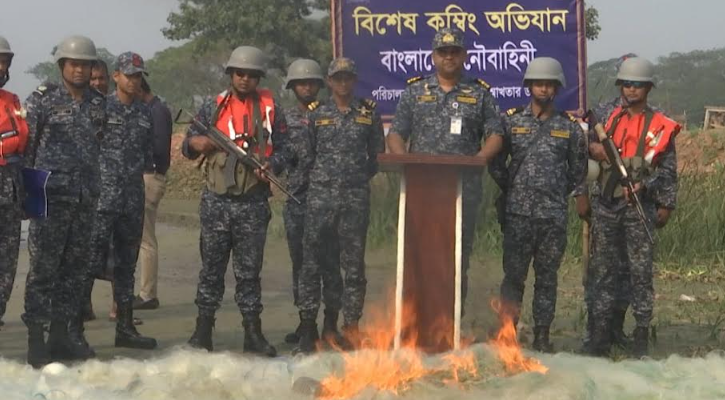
[[626, 136], [236, 119], [13, 128]]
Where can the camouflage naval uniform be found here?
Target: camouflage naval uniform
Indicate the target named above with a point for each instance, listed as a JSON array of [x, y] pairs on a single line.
[[294, 214], [236, 224], [11, 197], [126, 152], [345, 147], [548, 161], [65, 138], [620, 245], [423, 118]]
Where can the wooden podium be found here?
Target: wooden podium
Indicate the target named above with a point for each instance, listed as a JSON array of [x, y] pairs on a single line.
[[428, 281]]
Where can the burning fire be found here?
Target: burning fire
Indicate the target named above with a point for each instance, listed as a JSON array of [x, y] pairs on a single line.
[[373, 365]]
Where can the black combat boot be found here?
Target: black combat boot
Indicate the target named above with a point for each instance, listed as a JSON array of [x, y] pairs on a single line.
[[38, 354], [76, 332], [254, 340], [619, 338], [331, 335], [641, 342], [201, 339], [126, 333], [541, 340], [309, 337], [600, 340], [353, 335], [293, 337], [60, 344]]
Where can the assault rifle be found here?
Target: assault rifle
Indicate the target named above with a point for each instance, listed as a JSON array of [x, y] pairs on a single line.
[[235, 153], [616, 160]]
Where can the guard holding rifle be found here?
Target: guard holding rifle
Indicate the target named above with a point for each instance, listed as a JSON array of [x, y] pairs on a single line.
[[234, 210], [636, 191]]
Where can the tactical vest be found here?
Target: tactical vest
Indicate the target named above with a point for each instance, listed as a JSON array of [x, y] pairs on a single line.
[[249, 124], [13, 128], [656, 134]]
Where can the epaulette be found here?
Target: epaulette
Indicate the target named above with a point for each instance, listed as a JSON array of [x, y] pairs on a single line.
[[312, 106], [414, 79], [483, 83], [569, 116], [42, 89], [515, 110], [370, 104]]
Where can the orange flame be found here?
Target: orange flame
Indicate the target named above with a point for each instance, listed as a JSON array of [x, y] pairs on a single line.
[[373, 365], [508, 348]]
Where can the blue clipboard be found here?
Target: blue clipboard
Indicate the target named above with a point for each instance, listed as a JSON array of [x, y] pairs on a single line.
[[36, 201]]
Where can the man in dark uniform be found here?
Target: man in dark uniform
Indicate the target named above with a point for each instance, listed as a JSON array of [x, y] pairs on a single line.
[[548, 161], [13, 139], [450, 113], [235, 214], [305, 79], [66, 123], [346, 134]]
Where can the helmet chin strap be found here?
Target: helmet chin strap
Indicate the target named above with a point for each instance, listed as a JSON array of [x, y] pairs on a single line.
[[544, 104], [4, 79]]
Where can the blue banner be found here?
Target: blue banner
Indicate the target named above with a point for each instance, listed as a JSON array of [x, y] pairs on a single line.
[[390, 40]]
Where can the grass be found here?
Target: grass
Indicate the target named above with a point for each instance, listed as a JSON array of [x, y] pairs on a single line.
[[690, 247]]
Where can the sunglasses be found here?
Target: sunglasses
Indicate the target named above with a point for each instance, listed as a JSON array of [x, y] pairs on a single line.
[[634, 84]]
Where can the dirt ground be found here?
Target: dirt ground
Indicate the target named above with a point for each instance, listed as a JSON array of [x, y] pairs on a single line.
[[681, 326]]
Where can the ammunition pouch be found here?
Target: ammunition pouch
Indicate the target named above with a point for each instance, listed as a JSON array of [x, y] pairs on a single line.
[[610, 179], [227, 175]]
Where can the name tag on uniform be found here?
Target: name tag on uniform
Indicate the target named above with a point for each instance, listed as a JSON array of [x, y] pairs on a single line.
[[520, 130], [144, 124], [364, 120], [467, 99], [560, 134], [456, 125], [428, 98], [324, 122], [115, 121]]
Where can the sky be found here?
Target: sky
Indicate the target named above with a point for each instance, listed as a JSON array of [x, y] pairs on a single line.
[[649, 28]]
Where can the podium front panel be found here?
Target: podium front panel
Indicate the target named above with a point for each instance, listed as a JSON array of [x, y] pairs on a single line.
[[429, 274]]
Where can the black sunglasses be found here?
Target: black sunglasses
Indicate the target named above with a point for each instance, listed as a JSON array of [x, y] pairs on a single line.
[[635, 84]]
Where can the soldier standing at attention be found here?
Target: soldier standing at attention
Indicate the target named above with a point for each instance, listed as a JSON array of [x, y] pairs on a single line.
[[66, 123], [305, 79], [235, 215], [346, 134], [13, 139], [548, 153], [126, 152], [646, 142], [449, 113]]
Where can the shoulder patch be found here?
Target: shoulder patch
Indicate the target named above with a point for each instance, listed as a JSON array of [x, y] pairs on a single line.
[[484, 84], [569, 117], [313, 105], [44, 88], [370, 104], [414, 79], [513, 111]]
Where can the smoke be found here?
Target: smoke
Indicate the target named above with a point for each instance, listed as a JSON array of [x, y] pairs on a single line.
[[191, 375]]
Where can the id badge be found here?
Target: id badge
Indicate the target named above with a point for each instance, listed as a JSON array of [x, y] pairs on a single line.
[[456, 125]]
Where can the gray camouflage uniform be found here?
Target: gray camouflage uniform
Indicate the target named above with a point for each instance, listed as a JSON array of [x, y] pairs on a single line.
[[344, 146], [620, 245], [236, 225], [64, 138], [423, 117], [11, 197], [126, 152], [548, 161], [294, 214]]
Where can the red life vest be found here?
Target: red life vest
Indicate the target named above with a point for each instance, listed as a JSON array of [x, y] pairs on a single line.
[[235, 112], [13, 128], [626, 136]]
